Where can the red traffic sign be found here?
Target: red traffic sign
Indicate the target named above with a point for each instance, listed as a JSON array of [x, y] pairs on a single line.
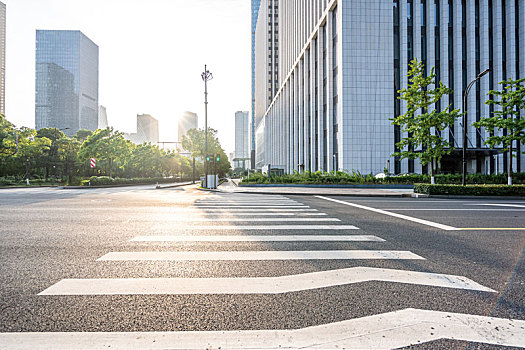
[[92, 162]]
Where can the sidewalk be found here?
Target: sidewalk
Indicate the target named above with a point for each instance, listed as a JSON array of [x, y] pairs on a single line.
[[318, 191]]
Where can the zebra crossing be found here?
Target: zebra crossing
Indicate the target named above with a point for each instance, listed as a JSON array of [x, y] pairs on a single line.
[[229, 213]]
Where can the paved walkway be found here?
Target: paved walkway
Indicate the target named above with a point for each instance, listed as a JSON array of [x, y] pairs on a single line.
[[356, 192]]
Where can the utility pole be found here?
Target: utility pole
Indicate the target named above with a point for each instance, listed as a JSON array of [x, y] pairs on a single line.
[[206, 76]]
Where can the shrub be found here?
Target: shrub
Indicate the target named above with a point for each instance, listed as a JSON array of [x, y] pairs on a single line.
[[471, 190], [105, 180]]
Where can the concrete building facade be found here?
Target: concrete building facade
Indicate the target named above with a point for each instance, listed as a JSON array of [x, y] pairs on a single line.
[[242, 146], [255, 15], [66, 95], [342, 62], [2, 56]]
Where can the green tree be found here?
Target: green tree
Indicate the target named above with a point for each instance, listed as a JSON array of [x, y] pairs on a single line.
[[510, 100], [146, 160], [83, 134], [7, 132], [422, 123], [49, 158], [30, 147], [68, 149], [194, 142], [109, 148]]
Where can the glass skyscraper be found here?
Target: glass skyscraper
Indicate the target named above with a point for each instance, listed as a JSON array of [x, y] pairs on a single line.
[[66, 81]]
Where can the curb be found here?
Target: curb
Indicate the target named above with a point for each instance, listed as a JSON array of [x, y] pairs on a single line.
[[470, 197], [358, 186], [379, 195], [159, 187], [108, 186]]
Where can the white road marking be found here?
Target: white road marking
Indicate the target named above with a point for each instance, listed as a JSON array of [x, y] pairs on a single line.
[[234, 210], [261, 255], [250, 206], [384, 331], [400, 216], [257, 285], [215, 219], [268, 238], [449, 209], [271, 227], [502, 205]]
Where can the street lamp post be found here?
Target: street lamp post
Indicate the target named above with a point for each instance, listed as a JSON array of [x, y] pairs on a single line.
[[465, 96], [206, 76]]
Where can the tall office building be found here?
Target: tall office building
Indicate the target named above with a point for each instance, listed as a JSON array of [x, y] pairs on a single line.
[[242, 147], [189, 120], [255, 15], [343, 61], [2, 57], [147, 129], [66, 81], [102, 117]]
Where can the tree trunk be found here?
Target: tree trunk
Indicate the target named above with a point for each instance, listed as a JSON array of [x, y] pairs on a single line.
[[110, 167], [432, 172], [27, 169], [509, 180]]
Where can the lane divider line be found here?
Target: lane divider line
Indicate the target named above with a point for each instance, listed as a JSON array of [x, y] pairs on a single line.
[[400, 216]]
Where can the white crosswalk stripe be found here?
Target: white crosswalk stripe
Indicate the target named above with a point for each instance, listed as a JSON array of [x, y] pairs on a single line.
[[384, 331], [262, 255], [265, 238]]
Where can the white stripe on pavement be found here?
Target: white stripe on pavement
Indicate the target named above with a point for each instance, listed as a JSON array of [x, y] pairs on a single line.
[[271, 227], [261, 255], [250, 206], [268, 238], [501, 205], [452, 209], [238, 210], [257, 285], [396, 329], [400, 216], [215, 219]]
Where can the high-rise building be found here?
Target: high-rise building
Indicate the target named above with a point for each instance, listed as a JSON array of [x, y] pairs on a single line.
[[147, 129], [255, 15], [66, 95], [189, 120], [341, 63], [2, 57], [242, 147], [102, 117], [266, 56]]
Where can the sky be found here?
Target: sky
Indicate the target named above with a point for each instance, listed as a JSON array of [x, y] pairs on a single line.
[[152, 54]]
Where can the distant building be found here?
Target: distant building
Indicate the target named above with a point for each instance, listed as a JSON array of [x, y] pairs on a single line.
[[189, 120], [66, 95], [242, 146], [102, 117], [147, 130]]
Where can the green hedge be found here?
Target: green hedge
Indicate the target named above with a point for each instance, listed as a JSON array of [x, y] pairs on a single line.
[[471, 190], [106, 180], [341, 177]]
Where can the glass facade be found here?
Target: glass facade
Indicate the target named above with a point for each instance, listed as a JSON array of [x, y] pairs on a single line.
[[66, 93]]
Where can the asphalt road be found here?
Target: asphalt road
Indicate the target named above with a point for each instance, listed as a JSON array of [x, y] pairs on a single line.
[[51, 237]]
